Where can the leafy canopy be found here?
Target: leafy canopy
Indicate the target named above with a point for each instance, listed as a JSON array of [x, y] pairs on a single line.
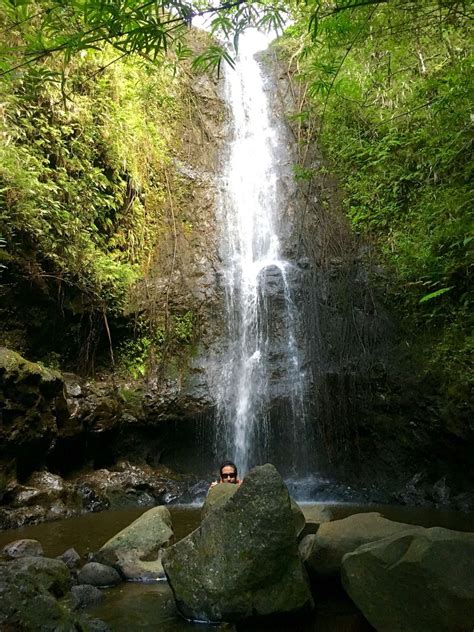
[[150, 29]]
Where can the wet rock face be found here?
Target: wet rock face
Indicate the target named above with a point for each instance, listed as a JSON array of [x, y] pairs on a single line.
[[417, 582], [32, 407], [243, 561]]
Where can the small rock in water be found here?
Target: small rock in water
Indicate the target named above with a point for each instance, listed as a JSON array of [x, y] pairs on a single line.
[[98, 574], [71, 558], [22, 548], [169, 498]]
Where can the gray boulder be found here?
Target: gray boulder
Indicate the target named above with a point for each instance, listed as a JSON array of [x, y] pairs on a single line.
[[70, 557], [334, 539], [316, 513], [217, 496], [135, 551], [85, 595], [22, 548], [243, 560], [98, 575], [417, 582]]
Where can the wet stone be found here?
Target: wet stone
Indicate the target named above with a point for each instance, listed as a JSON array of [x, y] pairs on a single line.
[[71, 558], [98, 574], [22, 548], [84, 595]]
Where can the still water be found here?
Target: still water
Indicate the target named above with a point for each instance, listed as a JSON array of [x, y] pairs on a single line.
[[132, 606]]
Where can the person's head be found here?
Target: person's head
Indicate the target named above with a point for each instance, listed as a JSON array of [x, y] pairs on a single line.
[[228, 472]]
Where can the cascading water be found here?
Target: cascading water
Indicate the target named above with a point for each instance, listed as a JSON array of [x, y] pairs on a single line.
[[261, 387]]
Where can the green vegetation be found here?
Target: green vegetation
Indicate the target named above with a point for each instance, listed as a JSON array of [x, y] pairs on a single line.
[[82, 178], [388, 94], [87, 177]]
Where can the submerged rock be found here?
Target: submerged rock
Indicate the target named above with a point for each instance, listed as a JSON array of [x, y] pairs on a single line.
[[416, 582], [243, 561], [22, 548], [334, 539], [135, 551]]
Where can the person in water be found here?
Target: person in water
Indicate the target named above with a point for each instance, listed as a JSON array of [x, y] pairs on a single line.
[[227, 473]]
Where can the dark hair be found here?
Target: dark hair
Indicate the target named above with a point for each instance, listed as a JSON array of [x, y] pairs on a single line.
[[228, 464]]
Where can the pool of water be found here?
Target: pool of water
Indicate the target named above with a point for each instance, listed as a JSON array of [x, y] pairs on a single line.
[[133, 606]]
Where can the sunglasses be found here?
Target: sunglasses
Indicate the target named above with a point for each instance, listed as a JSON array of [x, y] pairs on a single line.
[[228, 475]]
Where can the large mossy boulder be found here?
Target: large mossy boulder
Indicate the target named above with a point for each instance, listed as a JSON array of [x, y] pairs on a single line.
[[417, 582], [136, 550], [218, 496], [333, 540], [29, 587], [242, 562]]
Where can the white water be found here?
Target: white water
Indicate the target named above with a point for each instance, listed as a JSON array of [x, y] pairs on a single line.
[[256, 277]]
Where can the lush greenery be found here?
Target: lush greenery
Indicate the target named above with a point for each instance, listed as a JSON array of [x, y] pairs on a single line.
[[87, 175], [388, 93]]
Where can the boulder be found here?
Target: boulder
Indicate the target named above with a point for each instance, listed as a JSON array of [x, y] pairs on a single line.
[[334, 539], [135, 551], [98, 575], [22, 548], [51, 575], [217, 496], [417, 582], [135, 570], [242, 562], [316, 513], [28, 598], [84, 595], [71, 558]]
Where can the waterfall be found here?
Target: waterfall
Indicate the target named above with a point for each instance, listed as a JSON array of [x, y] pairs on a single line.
[[261, 387]]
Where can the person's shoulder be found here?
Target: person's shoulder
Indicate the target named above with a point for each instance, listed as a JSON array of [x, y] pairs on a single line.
[[213, 484]]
